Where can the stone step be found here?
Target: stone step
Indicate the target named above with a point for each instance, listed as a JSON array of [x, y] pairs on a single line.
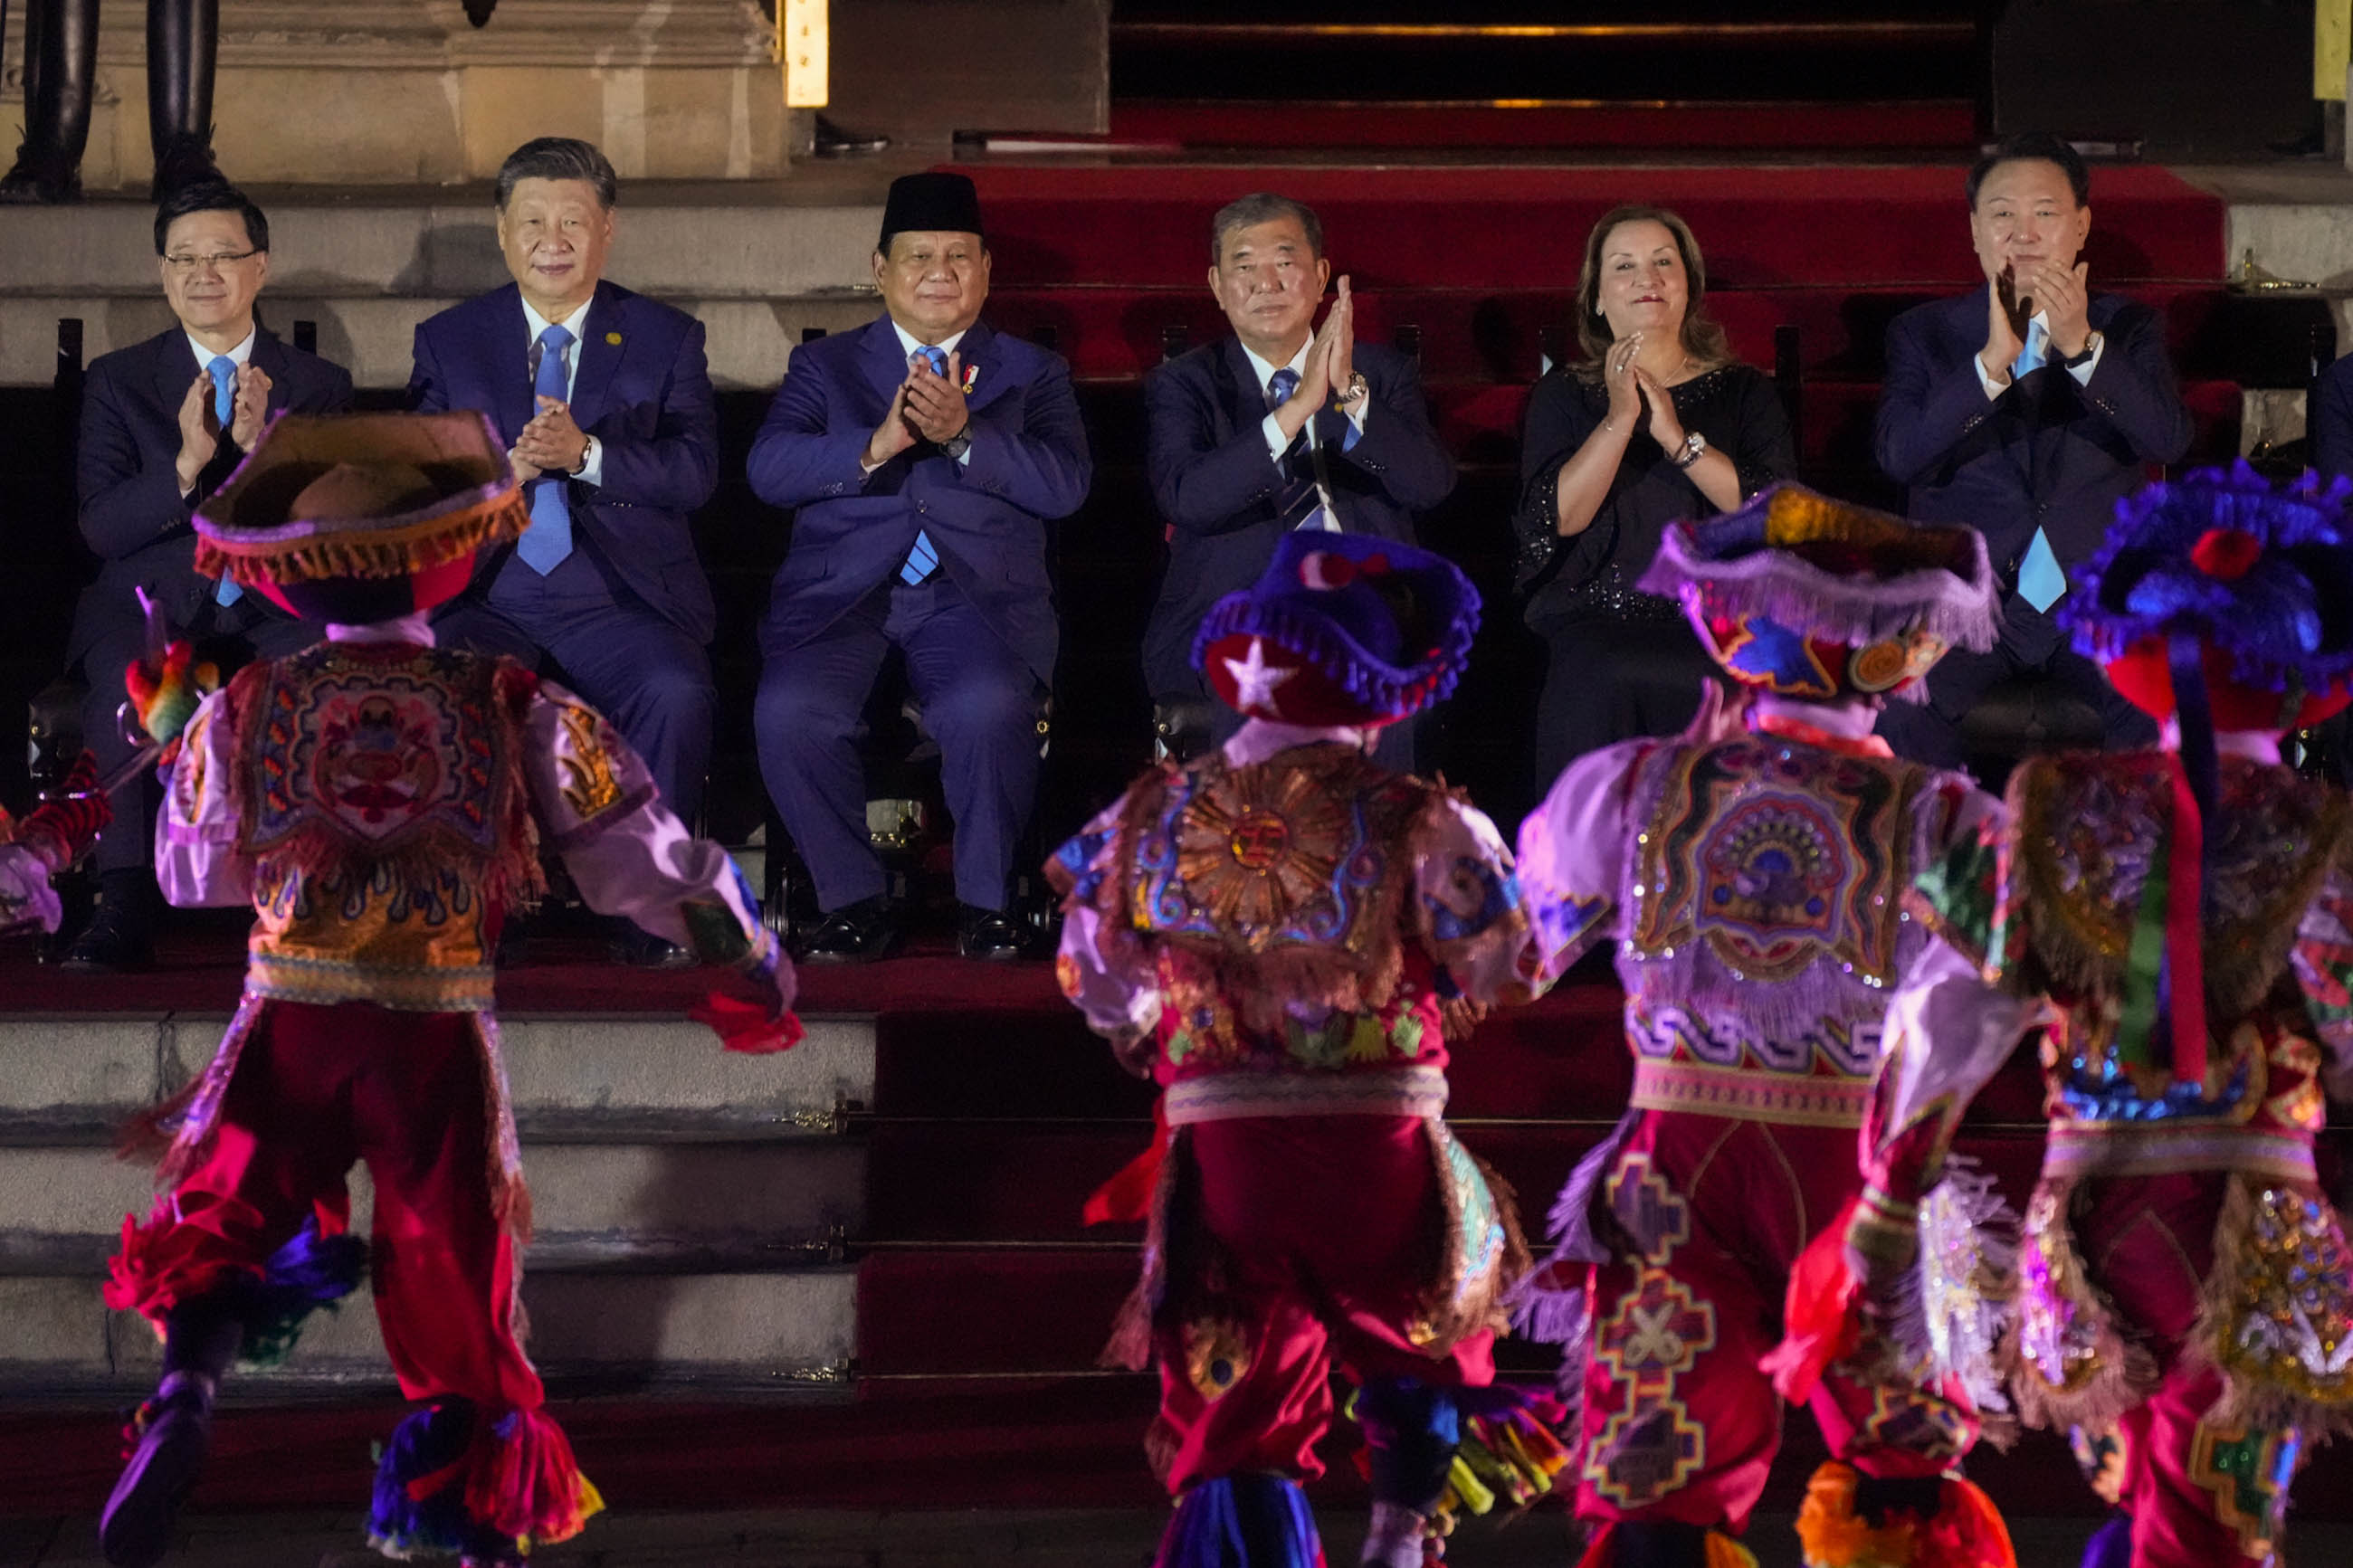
[[655, 1207], [584, 1077], [792, 1328]]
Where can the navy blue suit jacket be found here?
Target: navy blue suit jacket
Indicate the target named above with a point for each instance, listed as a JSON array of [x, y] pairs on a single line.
[[2047, 453], [641, 389], [127, 478], [986, 516], [1217, 485], [2328, 424]]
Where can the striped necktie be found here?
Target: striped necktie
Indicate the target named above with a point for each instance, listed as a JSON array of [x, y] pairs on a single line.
[[1296, 503], [924, 558]]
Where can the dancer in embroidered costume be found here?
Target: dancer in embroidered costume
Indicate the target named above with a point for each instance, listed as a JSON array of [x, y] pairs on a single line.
[[2179, 924], [380, 802], [1280, 933], [1752, 881]]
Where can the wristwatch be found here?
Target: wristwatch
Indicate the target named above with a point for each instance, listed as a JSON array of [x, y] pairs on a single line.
[[2091, 347], [957, 445], [1694, 444], [1357, 389]]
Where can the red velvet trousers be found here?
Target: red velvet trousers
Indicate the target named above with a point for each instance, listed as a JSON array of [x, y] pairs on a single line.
[[1322, 1231], [316, 1089], [1679, 1423], [2199, 1496]]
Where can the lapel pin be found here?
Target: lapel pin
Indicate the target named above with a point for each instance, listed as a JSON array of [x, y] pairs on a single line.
[[971, 375], [614, 339]]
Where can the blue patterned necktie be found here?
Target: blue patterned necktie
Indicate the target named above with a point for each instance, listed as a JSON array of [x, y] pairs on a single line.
[[223, 370], [548, 540], [1297, 500], [2033, 355], [924, 558]]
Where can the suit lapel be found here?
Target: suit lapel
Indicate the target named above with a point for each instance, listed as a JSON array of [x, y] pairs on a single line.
[[175, 367], [505, 365], [886, 367], [1244, 399], [982, 367], [602, 341], [270, 355]]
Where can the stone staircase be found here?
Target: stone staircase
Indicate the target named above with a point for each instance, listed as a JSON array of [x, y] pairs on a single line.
[[695, 1210]]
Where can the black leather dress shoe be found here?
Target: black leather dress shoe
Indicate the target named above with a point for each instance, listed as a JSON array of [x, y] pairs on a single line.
[[642, 949], [39, 179], [989, 935], [118, 938], [854, 933]]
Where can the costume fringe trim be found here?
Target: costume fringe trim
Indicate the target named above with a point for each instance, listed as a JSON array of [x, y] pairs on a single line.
[[1960, 1297], [2057, 1298], [1966, 1532], [1241, 1522], [2263, 1287], [1468, 1296], [314, 1270], [452, 1483], [445, 533]]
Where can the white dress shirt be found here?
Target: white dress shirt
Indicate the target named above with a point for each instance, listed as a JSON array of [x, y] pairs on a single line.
[[592, 464], [1325, 515]]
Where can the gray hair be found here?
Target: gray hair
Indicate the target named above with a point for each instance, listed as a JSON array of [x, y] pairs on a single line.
[[557, 158], [1258, 207]]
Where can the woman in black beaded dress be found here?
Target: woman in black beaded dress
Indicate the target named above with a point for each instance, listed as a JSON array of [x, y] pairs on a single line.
[[1658, 423]]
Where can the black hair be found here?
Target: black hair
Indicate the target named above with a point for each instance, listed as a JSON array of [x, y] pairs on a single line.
[[2034, 146], [1258, 207], [557, 158], [211, 197]]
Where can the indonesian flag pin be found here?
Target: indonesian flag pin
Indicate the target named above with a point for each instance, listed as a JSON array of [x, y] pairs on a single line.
[[971, 375]]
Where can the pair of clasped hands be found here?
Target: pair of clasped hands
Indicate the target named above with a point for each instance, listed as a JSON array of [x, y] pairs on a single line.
[[200, 426], [553, 442], [2061, 294], [928, 406], [1331, 369]]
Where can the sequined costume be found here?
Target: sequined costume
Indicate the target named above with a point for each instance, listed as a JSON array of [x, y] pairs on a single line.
[[2173, 924], [380, 804], [1282, 934], [1753, 883]]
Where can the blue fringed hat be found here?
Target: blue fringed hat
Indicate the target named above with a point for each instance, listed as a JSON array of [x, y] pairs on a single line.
[[1342, 628], [1805, 597], [2260, 579]]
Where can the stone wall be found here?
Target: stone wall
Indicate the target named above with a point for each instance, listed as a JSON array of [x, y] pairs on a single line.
[[403, 92]]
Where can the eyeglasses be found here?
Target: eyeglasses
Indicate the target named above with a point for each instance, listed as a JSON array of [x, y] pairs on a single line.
[[182, 265]]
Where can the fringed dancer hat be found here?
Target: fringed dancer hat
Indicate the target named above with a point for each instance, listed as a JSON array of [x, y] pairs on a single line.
[[1805, 597], [357, 517], [2258, 581], [1343, 628]]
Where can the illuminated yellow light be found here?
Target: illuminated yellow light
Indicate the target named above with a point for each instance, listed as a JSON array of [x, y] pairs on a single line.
[[803, 51]]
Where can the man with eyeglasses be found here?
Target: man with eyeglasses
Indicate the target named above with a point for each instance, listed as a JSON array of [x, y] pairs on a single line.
[[163, 422]]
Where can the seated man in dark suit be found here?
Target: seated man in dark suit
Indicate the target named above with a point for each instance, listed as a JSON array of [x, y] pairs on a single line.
[[163, 422], [2025, 409], [925, 455], [605, 401], [1280, 426]]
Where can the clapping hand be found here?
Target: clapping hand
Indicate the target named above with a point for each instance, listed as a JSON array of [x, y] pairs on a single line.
[[1623, 382], [934, 403], [2006, 317], [1338, 342], [249, 411], [2062, 297]]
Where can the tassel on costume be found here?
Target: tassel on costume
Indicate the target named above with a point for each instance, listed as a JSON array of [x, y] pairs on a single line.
[[452, 1484], [1241, 1522], [1507, 1454], [316, 1269], [1966, 1532]]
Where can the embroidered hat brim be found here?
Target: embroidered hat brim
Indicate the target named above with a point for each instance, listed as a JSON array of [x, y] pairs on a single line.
[[426, 493]]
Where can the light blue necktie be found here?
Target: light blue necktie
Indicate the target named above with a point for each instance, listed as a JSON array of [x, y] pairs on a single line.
[[548, 540], [2039, 579], [2035, 355], [223, 370], [923, 559]]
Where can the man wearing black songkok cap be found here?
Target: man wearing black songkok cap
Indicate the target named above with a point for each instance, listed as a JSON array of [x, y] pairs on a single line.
[[923, 456]]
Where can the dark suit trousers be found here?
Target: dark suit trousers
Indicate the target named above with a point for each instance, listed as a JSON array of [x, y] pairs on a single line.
[[1930, 731], [979, 702], [623, 658], [228, 635]]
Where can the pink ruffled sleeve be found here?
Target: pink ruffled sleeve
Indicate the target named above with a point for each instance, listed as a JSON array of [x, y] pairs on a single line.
[[1472, 921], [196, 857], [1573, 852]]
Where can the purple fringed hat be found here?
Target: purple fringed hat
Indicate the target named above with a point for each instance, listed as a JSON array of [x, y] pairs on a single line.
[[2256, 581], [1342, 628], [1805, 597]]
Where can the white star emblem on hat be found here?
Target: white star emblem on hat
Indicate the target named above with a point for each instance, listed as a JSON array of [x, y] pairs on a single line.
[[1255, 680]]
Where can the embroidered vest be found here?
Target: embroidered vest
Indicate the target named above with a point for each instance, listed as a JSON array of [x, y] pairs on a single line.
[[381, 798], [1765, 923]]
